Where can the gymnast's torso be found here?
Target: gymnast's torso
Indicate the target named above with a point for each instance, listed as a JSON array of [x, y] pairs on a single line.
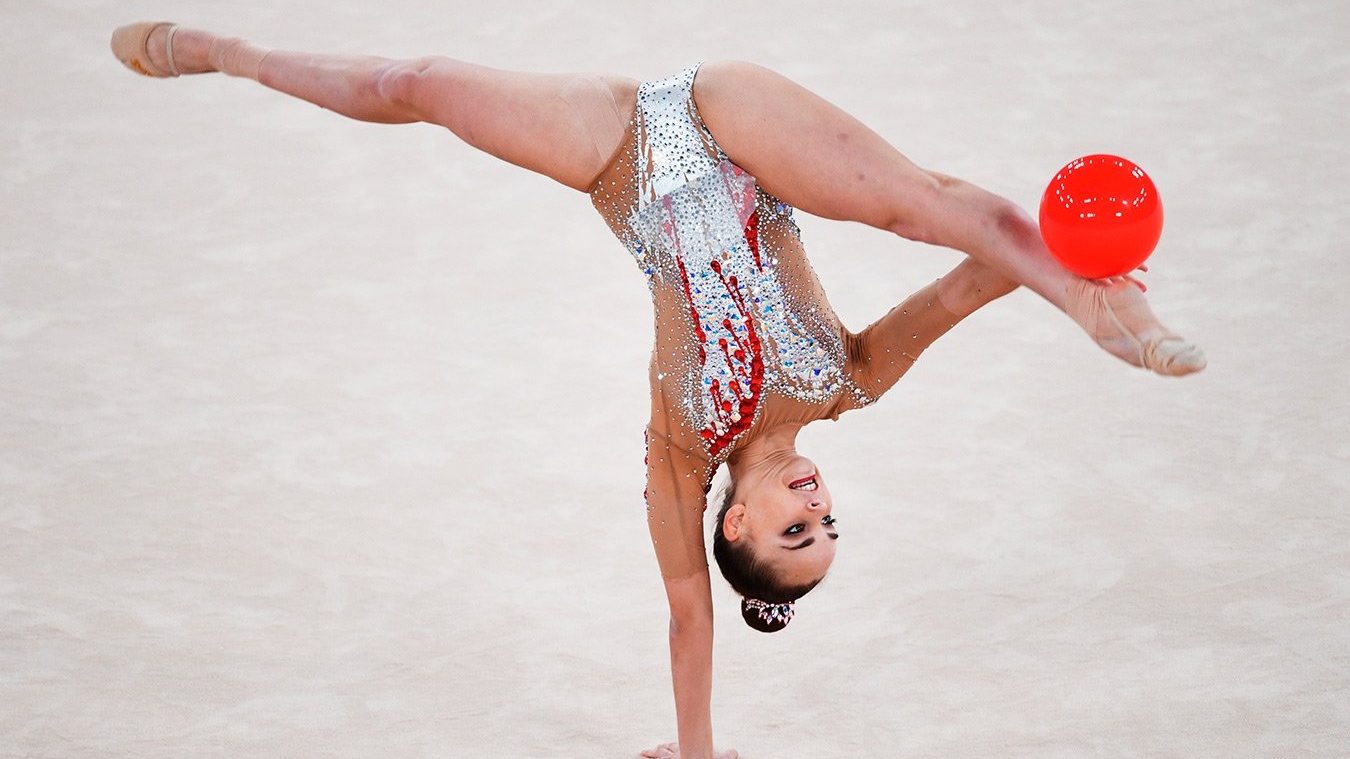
[[744, 335], [742, 322]]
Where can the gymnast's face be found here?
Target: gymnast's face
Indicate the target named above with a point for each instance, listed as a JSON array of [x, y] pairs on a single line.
[[784, 512]]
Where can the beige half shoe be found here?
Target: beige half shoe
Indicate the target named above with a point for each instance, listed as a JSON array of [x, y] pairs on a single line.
[[130, 45]]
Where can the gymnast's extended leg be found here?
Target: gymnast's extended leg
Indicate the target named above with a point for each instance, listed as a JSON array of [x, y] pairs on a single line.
[[819, 159], [565, 126]]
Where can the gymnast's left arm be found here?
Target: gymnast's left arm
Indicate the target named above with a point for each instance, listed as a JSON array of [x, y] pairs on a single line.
[[881, 354]]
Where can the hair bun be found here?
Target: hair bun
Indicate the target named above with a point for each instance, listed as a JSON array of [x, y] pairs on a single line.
[[764, 616]]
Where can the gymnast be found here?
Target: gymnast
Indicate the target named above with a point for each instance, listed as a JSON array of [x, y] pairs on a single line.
[[698, 175]]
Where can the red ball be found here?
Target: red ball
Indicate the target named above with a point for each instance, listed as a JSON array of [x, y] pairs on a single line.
[[1101, 216]]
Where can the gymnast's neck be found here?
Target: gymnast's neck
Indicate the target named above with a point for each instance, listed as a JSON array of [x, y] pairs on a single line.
[[764, 447]]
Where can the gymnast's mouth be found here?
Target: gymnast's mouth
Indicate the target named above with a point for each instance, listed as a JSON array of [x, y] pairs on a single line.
[[806, 483]]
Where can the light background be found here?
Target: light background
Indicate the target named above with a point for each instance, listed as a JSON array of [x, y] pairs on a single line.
[[323, 439]]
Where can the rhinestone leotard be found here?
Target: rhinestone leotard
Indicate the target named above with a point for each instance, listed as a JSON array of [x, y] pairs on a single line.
[[743, 331]]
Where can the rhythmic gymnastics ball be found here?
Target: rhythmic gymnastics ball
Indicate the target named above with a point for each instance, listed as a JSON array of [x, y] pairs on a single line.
[[1101, 216]]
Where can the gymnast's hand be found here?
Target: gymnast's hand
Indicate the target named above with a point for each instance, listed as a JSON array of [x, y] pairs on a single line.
[[672, 751]]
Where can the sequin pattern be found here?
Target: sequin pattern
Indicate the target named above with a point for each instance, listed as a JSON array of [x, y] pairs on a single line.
[[700, 226]]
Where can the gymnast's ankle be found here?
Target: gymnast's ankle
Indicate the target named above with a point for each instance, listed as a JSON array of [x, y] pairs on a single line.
[[236, 56]]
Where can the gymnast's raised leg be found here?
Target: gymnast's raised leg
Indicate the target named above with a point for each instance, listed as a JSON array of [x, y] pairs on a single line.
[[821, 160], [565, 126]]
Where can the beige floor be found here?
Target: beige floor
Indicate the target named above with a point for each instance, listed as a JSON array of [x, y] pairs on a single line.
[[282, 474]]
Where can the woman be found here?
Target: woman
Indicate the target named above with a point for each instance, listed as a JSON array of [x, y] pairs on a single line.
[[698, 176]]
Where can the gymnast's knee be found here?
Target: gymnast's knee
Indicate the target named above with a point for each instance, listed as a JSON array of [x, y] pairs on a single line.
[[952, 213], [403, 84], [918, 209]]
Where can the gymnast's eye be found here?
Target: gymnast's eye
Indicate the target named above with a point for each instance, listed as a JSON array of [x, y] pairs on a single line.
[[828, 520], [795, 529]]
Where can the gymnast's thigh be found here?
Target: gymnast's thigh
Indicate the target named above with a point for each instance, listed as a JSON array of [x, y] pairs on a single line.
[[565, 126], [807, 151]]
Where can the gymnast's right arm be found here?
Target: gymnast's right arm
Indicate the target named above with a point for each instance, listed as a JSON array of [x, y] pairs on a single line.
[[676, 500]]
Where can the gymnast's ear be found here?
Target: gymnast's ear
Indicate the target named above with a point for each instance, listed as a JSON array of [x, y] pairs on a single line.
[[733, 522]]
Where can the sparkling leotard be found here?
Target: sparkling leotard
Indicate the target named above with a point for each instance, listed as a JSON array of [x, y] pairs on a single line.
[[743, 333]]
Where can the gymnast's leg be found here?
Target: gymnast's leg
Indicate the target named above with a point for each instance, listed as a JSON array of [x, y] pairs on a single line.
[[565, 126], [819, 159]]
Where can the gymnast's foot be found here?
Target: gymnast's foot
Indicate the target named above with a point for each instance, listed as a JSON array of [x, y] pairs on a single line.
[[1116, 314], [162, 49], [672, 751]]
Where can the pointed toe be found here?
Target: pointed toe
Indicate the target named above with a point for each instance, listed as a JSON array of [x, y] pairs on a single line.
[[130, 44], [1174, 357]]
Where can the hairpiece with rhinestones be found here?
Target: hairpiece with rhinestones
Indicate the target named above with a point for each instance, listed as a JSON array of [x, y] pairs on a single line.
[[772, 614]]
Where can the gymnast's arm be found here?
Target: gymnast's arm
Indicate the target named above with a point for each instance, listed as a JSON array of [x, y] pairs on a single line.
[[676, 500], [691, 649], [882, 353]]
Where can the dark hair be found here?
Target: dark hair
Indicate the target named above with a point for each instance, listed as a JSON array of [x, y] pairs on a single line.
[[750, 577]]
